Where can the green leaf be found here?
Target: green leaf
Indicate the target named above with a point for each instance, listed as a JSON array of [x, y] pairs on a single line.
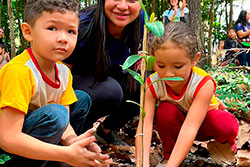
[[130, 61], [145, 12], [1, 161], [136, 76], [150, 62], [4, 158], [167, 79], [157, 28], [143, 111], [172, 79], [152, 18], [245, 44]]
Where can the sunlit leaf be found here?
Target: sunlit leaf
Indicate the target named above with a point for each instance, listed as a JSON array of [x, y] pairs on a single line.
[[150, 62], [136, 76], [152, 18], [130, 61], [142, 109], [157, 28], [145, 12]]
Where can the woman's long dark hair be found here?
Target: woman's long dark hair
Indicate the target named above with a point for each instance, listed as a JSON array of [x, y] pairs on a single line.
[[94, 36], [242, 18]]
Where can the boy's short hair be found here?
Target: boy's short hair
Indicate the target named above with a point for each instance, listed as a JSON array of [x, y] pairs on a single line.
[[231, 29], [34, 8]]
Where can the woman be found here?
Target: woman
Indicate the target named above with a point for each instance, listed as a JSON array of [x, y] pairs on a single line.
[[108, 33], [243, 31], [176, 13]]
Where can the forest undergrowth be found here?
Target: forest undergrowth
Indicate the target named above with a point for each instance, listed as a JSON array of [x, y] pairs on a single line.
[[234, 91]]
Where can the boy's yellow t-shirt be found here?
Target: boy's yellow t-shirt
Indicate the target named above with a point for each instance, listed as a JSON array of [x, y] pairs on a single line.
[[25, 87]]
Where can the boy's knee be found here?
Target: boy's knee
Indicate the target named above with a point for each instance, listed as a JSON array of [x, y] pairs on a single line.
[[58, 115], [83, 98]]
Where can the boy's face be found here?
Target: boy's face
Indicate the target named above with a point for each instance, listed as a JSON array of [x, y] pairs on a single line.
[[53, 36], [231, 34]]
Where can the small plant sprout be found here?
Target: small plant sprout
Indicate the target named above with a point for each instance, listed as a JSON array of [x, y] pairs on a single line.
[[147, 62]]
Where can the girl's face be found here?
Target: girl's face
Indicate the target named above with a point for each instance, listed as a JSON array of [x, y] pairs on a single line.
[[221, 45], [173, 61], [174, 2], [121, 12]]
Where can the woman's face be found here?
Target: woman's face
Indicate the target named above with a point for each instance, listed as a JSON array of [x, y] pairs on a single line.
[[248, 16], [121, 12]]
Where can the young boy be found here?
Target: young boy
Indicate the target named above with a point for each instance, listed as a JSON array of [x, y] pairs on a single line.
[[36, 91], [4, 56], [231, 42]]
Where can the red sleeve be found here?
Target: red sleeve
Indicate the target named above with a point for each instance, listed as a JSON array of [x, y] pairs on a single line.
[[151, 87]]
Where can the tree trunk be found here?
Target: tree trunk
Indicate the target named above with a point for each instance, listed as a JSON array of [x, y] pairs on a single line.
[[210, 32], [226, 14], [194, 21], [22, 40], [153, 6], [11, 26], [231, 14], [162, 6]]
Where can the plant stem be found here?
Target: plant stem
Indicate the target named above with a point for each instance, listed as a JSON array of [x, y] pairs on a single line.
[[142, 99]]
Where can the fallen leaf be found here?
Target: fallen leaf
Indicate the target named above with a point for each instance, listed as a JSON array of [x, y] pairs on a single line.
[[222, 154], [243, 158], [243, 135], [243, 162]]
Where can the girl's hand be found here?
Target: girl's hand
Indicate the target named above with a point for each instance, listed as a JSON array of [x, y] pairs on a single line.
[[7, 55], [184, 4]]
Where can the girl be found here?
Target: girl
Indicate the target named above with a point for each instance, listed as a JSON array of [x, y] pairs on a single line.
[[188, 109], [176, 13], [108, 33]]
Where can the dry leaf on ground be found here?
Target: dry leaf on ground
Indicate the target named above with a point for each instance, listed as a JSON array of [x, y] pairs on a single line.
[[222, 154]]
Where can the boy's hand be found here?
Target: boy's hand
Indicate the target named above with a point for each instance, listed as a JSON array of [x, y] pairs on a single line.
[[79, 155], [91, 148], [236, 50]]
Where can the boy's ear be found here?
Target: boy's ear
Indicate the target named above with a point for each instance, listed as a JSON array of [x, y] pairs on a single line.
[[26, 30], [196, 59]]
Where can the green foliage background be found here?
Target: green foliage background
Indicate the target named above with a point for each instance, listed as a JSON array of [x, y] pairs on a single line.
[[220, 24]]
